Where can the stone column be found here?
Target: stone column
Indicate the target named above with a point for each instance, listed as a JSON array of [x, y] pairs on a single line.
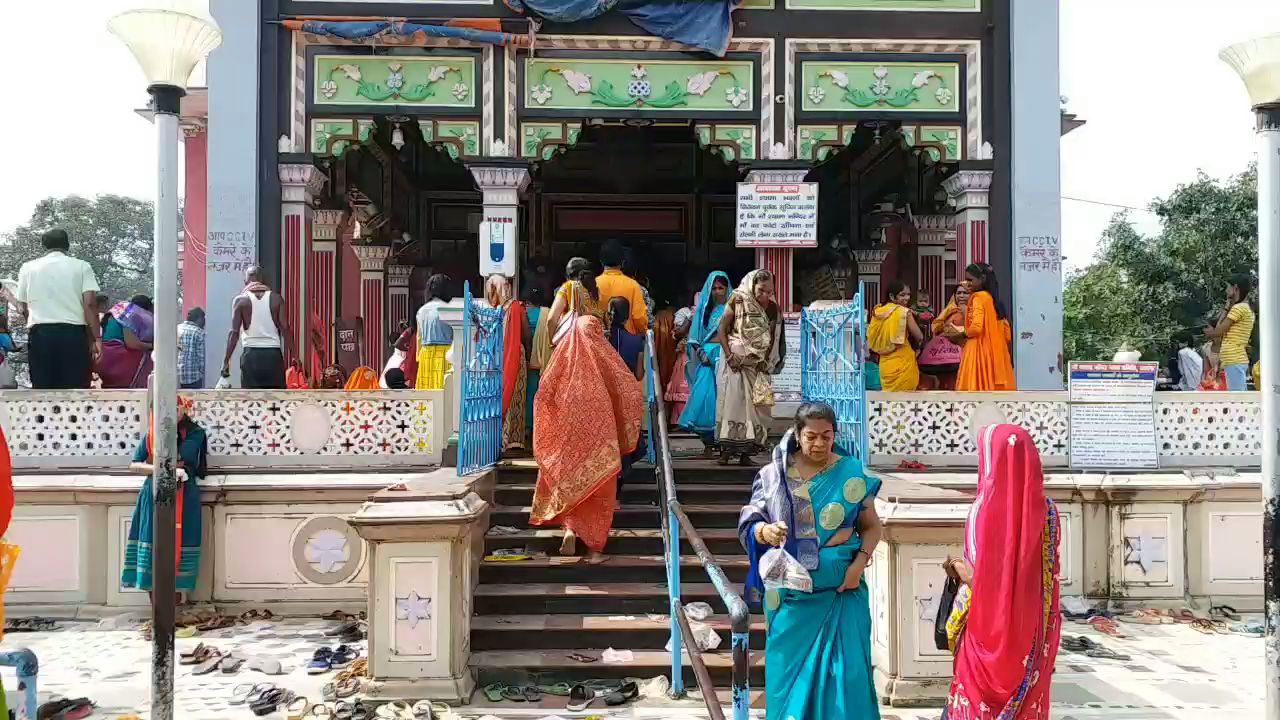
[[373, 260], [500, 181], [932, 232], [869, 262], [322, 283], [300, 183], [970, 190], [398, 290], [779, 260], [195, 215]]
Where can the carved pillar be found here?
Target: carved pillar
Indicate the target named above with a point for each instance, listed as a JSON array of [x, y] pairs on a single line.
[[869, 262], [322, 283], [299, 184], [779, 260], [970, 190], [398, 295], [932, 233], [500, 181], [373, 261]]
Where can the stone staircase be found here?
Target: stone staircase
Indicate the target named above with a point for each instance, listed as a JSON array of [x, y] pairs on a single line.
[[532, 615]]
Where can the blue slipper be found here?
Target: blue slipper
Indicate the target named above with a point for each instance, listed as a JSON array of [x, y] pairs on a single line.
[[321, 662]]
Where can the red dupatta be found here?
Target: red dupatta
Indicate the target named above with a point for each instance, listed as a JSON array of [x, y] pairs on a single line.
[[512, 351], [1005, 660]]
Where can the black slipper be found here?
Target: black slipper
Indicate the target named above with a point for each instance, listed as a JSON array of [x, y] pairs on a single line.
[[531, 694], [512, 693], [580, 698]]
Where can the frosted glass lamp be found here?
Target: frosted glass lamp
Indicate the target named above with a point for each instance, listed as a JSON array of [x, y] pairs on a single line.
[[1257, 61], [168, 38]]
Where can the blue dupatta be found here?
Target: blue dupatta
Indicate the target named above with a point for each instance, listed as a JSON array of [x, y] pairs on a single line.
[[703, 325]]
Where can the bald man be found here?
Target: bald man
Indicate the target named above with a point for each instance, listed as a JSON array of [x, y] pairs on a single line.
[[256, 323]]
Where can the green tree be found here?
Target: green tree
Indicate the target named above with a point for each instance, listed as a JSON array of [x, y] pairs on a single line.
[[1145, 291], [111, 232]]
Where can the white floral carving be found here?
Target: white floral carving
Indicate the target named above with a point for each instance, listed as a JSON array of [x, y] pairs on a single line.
[[817, 94], [327, 551], [437, 73], [881, 72], [838, 78], [351, 71], [413, 608], [638, 72], [328, 88], [639, 89], [461, 91], [922, 78], [880, 87], [395, 78], [540, 93], [578, 82], [737, 96], [943, 96], [699, 84]]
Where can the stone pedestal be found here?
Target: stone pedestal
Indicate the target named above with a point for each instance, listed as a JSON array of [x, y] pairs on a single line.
[[922, 527], [425, 548], [869, 262]]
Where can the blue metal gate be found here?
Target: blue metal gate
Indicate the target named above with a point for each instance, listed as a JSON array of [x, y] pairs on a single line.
[[831, 371], [480, 417]]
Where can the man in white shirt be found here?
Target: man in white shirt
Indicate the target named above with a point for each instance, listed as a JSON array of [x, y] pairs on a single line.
[[1190, 365], [58, 294], [257, 323]]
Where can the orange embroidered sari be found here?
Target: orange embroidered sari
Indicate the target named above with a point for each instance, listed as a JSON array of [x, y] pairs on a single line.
[[588, 412]]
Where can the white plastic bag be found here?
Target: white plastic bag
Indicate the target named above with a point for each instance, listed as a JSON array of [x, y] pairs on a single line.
[[704, 635], [779, 571], [698, 610]]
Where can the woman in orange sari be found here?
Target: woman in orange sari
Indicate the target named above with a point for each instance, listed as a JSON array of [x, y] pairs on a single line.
[[588, 412], [985, 363]]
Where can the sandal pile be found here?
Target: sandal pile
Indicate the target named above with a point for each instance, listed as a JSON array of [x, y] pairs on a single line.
[[1084, 646]]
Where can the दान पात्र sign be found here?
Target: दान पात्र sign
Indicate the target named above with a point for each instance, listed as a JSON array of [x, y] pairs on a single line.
[[777, 215]]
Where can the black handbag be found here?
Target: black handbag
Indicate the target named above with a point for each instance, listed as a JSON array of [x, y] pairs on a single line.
[[947, 600]]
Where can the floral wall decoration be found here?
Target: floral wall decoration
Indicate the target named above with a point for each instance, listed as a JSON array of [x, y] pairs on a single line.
[[880, 86], [398, 80], [559, 84]]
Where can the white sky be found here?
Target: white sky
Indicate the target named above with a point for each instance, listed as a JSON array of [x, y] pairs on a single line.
[[1144, 73]]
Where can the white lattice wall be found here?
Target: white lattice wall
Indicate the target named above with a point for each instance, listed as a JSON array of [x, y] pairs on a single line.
[[1208, 428], [251, 429]]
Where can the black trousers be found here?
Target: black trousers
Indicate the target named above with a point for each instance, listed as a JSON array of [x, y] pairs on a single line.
[[59, 357], [262, 369]]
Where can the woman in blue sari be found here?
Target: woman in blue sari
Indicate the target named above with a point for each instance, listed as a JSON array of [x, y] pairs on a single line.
[[703, 349], [819, 506]]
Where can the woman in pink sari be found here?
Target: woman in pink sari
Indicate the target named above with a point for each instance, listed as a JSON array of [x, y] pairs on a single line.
[[1005, 624]]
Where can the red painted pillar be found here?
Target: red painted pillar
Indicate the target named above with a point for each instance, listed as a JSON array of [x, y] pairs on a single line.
[[397, 296], [932, 232], [778, 261], [971, 192], [322, 286], [373, 261], [195, 216], [300, 183]]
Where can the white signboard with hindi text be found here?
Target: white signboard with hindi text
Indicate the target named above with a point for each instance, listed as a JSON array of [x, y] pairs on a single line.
[[1113, 415], [786, 384], [777, 215]]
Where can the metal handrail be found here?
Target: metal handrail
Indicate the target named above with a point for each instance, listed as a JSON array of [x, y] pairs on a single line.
[[673, 521]]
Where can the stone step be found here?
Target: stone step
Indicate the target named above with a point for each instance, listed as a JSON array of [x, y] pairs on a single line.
[[591, 632], [635, 516], [520, 666], [704, 472], [622, 541], [642, 493], [619, 568], [588, 598]]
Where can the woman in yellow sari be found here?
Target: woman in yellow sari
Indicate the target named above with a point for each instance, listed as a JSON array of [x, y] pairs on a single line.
[[889, 334]]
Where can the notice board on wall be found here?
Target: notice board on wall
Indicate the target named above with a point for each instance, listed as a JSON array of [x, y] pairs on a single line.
[[777, 215], [1113, 421]]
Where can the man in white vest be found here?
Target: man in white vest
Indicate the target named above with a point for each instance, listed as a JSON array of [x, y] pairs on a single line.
[[256, 323]]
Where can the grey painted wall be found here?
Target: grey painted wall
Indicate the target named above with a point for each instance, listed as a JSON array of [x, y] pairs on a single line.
[[1036, 195], [233, 170]]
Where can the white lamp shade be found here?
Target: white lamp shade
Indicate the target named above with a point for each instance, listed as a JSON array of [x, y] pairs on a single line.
[[168, 38], [1258, 63]]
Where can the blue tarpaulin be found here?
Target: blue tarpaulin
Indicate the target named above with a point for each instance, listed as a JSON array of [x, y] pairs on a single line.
[[703, 24], [360, 30]]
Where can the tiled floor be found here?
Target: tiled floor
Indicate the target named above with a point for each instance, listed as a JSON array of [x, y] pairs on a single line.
[[1175, 673]]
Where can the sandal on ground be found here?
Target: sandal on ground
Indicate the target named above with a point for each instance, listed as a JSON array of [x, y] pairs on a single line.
[[255, 692], [1224, 611], [531, 694], [580, 698], [1106, 653], [625, 693], [297, 708], [267, 702], [397, 710], [319, 711], [343, 710], [196, 656], [360, 712], [347, 687], [230, 664], [358, 669], [427, 710], [321, 661], [342, 657], [512, 693], [210, 663], [493, 693], [561, 689], [343, 628]]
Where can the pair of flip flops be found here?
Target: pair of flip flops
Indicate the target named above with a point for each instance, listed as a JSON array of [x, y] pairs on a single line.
[[1084, 646], [512, 693], [341, 689], [421, 710]]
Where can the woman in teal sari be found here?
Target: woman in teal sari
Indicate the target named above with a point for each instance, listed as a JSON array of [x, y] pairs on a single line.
[[703, 350], [192, 467], [819, 506]]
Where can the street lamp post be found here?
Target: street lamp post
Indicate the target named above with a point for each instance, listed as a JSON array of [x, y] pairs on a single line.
[[167, 39], [1258, 63]]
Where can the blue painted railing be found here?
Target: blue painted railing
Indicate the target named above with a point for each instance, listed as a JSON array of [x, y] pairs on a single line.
[[832, 343], [480, 414], [674, 520]]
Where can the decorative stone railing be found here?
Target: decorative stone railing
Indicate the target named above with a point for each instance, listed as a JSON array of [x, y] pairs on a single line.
[[297, 429], [1192, 429]]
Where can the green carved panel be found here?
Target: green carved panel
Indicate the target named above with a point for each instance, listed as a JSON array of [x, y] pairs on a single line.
[[434, 81], [880, 86], [918, 5], [454, 133], [733, 142], [948, 136], [756, 5], [570, 84], [541, 140]]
